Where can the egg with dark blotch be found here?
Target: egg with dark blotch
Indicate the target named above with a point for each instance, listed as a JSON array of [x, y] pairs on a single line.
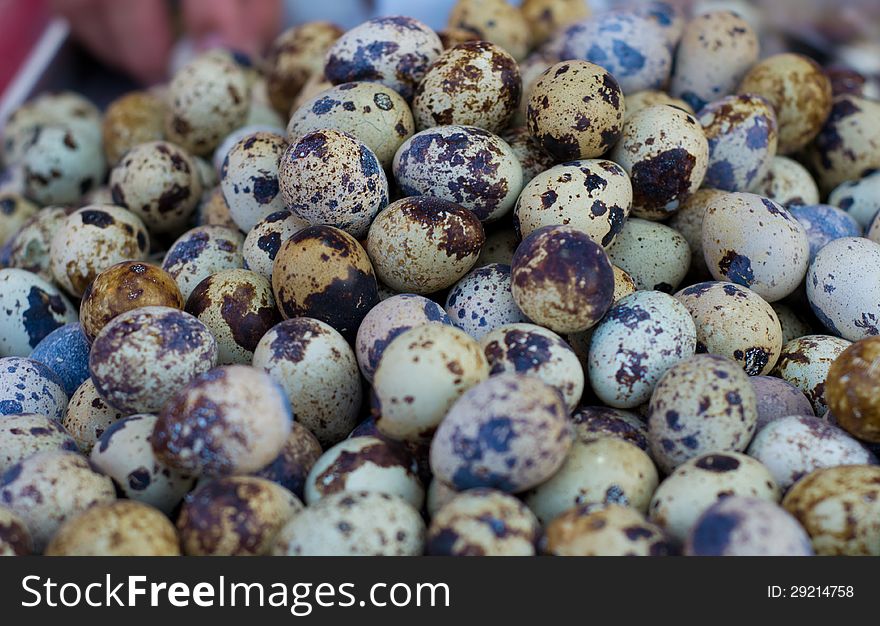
[[15, 210], [291, 467], [597, 422], [482, 301], [66, 352], [499, 247], [249, 178], [851, 390], [88, 415], [624, 284], [61, 163], [28, 386], [824, 223], [493, 20], [451, 37], [200, 252], [859, 198], [27, 434], [418, 450], [788, 183], [805, 362], [30, 247], [605, 530], [132, 119], [655, 256], [32, 309], [532, 157], [639, 100], [778, 398], [461, 164], [15, 538], [264, 240], [324, 273]]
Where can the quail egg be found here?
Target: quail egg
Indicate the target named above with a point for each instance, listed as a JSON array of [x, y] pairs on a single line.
[[500, 245], [213, 210], [200, 252], [87, 416], [291, 467], [249, 178], [605, 530], [15, 538], [29, 247], [597, 422], [62, 163], [546, 17], [132, 119], [805, 362], [32, 308], [481, 301], [655, 256], [649, 97], [264, 240], [859, 198], [24, 435], [787, 182], [850, 388], [493, 20], [794, 322], [824, 223], [778, 398], [15, 210], [688, 221], [28, 386], [66, 352], [532, 157]]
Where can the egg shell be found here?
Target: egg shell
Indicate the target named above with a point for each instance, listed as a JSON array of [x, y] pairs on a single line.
[[292, 465], [743, 526], [650, 97], [15, 539], [805, 362], [15, 210], [451, 37], [213, 210], [688, 221], [824, 223], [530, 70], [592, 195], [461, 164], [66, 352], [314, 85], [29, 247], [438, 495], [787, 182], [353, 523], [249, 178], [575, 110], [778, 398], [798, 90], [839, 506], [32, 309], [699, 483], [483, 522], [624, 285], [200, 252], [794, 322], [850, 388], [418, 450], [655, 256], [546, 17], [611, 530], [211, 172], [24, 435], [132, 119], [532, 157], [859, 198], [845, 79], [264, 240], [482, 301], [28, 386], [510, 432], [61, 163], [597, 422], [88, 415], [500, 245], [493, 20]]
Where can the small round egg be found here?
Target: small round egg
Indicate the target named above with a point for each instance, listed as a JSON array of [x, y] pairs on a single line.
[[787, 182], [482, 301], [850, 389], [66, 352], [30, 247], [291, 467], [417, 450], [805, 362], [531, 155], [451, 37], [530, 70], [249, 178], [824, 223], [493, 20], [794, 322], [778, 398], [500, 245], [132, 119], [62, 163], [32, 308], [655, 256], [607, 530], [213, 210], [15, 210], [200, 252], [24, 435], [88, 415], [15, 538], [437, 496], [264, 240], [546, 17], [649, 97], [28, 386], [859, 198], [688, 221], [597, 422]]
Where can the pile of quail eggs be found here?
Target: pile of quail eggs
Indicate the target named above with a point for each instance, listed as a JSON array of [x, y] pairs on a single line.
[[545, 282]]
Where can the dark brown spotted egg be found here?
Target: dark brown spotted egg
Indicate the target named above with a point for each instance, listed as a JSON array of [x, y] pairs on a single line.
[[851, 382], [291, 467], [132, 119], [575, 110], [317, 369], [92, 239], [702, 404], [393, 50], [592, 195], [331, 177], [666, 154], [264, 240], [232, 419], [562, 279], [249, 178], [32, 308], [451, 37], [788, 182], [596, 422], [200, 252], [510, 432], [493, 20], [532, 157], [805, 363], [143, 357], [30, 247], [26, 434], [482, 302], [483, 522], [423, 244], [605, 530], [15, 538], [324, 273], [462, 164], [62, 163], [15, 210], [88, 415]]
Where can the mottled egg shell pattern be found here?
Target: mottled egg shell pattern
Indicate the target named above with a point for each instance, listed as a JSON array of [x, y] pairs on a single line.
[[292, 465], [546, 17], [850, 388], [794, 321], [24, 435], [15, 210], [532, 157], [482, 301], [264, 240], [641, 99], [778, 398], [87, 416], [29, 248], [132, 119], [596, 422], [32, 308], [688, 221], [28, 386], [655, 256], [61, 163], [249, 178], [605, 530], [200, 252], [824, 223], [500, 245], [493, 20], [860, 198], [66, 352], [805, 362], [788, 183], [15, 538]]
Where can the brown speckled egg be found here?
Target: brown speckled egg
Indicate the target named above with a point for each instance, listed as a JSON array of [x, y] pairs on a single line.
[[594, 196], [372, 112], [800, 92], [840, 509], [597, 422], [608, 530], [451, 37], [15, 538], [331, 177], [483, 522], [15, 210], [200, 252], [500, 245], [642, 99], [699, 483], [30, 247], [264, 240], [291, 467], [49, 488], [477, 83], [755, 242], [546, 17], [207, 100], [851, 389], [88, 415], [249, 178], [654, 255], [92, 239], [423, 244], [666, 154], [532, 157], [353, 523], [787, 182], [521, 411], [575, 110], [317, 369], [132, 119], [624, 284], [700, 405], [213, 210], [561, 279], [481, 301], [688, 221], [235, 516], [324, 273], [144, 356], [421, 374], [121, 528], [607, 471], [29, 433], [735, 322], [232, 419], [123, 287], [393, 50], [530, 70], [462, 164], [32, 308], [62, 163], [493, 20], [238, 308], [805, 363]]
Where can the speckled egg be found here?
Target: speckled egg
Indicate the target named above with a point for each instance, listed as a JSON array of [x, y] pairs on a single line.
[[28, 386], [524, 413], [483, 522], [29, 247], [532, 157], [605, 530], [700, 405], [715, 51], [778, 398], [423, 244], [15, 210], [482, 301], [291, 467], [666, 154], [15, 538], [688, 221], [318, 371], [88, 415], [794, 322], [493, 20], [207, 100], [393, 50], [840, 509], [51, 487], [438, 495], [451, 37], [562, 279], [132, 119], [324, 273], [461, 164], [144, 356], [32, 308], [530, 70], [859, 198], [264, 240], [500, 245], [743, 526], [650, 97], [699, 483], [851, 389], [824, 223], [798, 90], [421, 374], [805, 362], [213, 210], [607, 470], [200, 252], [575, 110], [61, 163], [655, 256], [624, 284], [787, 182], [546, 17], [597, 422], [24, 435], [66, 352]]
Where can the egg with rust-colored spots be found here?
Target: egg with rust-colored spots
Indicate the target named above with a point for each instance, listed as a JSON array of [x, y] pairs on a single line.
[[851, 389], [597, 422], [493, 20], [532, 157], [249, 178], [62, 163], [264, 240], [30, 247], [32, 308], [650, 97], [88, 415], [24, 435], [805, 362], [778, 398], [15, 538], [605, 530], [132, 119], [859, 198], [200, 252], [788, 183], [15, 210], [28, 386], [655, 256], [291, 467], [481, 301]]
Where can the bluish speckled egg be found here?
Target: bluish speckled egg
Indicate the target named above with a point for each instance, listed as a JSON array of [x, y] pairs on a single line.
[[778, 398], [29, 433], [595, 422], [805, 362], [200, 252], [88, 415], [462, 164], [843, 287], [669, 17], [66, 352], [292, 465], [787, 182], [743, 526], [700, 405], [859, 198], [30, 247], [61, 163], [482, 301], [655, 256], [535, 351], [249, 178], [632, 47], [531, 414], [824, 223], [264, 240], [28, 386], [393, 50], [31, 309], [229, 142], [641, 337]]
